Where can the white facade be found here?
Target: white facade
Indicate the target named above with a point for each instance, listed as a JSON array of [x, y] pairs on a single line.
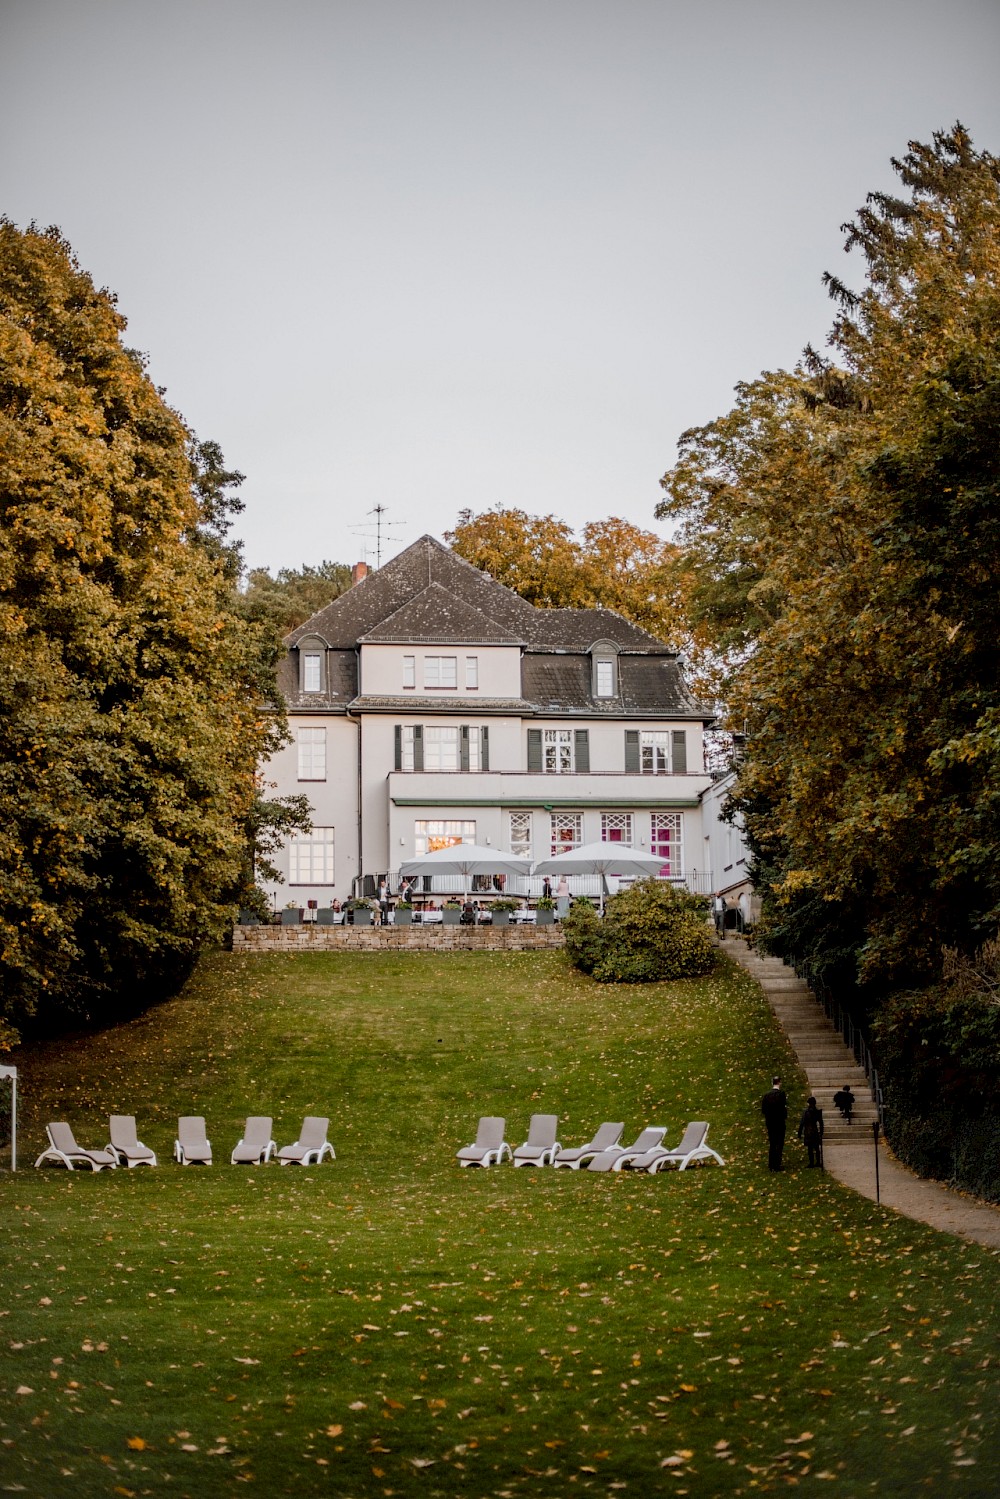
[[528, 730]]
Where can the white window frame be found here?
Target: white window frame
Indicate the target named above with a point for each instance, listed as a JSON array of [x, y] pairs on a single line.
[[409, 671], [673, 824], [441, 673], [432, 832], [311, 857], [561, 823], [604, 677], [475, 747], [558, 751], [312, 671], [654, 752], [472, 673], [616, 822], [520, 834], [311, 745], [442, 747]]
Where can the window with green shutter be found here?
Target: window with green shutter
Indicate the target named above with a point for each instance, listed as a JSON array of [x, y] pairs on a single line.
[[679, 756], [631, 752], [535, 751], [582, 749]]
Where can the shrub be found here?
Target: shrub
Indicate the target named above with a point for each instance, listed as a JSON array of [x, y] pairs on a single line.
[[649, 932]]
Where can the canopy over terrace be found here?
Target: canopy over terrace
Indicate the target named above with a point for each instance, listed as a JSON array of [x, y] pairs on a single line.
[[465, 859], [602, 858]]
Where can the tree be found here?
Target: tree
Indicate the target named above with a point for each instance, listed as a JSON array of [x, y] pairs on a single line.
[[649, 932], [614, 565], [294, 594], [842, 528], [136, 697]]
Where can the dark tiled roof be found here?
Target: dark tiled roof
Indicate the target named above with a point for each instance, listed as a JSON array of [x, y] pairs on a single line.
[[649, 687], [437, 615], [341, 682]]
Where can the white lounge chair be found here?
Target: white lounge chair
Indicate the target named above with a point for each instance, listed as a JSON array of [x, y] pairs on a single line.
[[256, 1146], [192, 1146], [64, 1151], [489, 1145], [577, 1155], [127, 1149], [693, 1148], [608, 1159], [541, 1147], [311, 1146]]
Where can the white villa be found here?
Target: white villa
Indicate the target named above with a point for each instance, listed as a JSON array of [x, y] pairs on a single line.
[[431, 705]]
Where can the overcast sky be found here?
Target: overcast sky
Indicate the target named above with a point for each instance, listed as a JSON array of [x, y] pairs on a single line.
[[445, 253]]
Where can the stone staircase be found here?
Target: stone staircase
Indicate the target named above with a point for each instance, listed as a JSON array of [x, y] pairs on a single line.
[[822, 1053]]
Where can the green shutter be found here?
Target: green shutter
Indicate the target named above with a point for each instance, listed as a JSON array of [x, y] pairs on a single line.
[[463, 747], [397, 735], [582, 737], [418, 746], [484, 747], [679, 761], [632, 766], [534, 750]]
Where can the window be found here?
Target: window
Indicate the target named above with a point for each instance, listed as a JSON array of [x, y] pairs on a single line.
[[666, 843], [472, 672], [616, 827], [311, 858], [567, 831], [312, 754], [604, 675], [312, 672], [558, 751], [427, 836], [409, 671], [442, 749], [440, 671], [654, 753], [520, 834]]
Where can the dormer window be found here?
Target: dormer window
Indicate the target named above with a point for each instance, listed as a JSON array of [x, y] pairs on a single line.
[[312, 658], [604, 656]]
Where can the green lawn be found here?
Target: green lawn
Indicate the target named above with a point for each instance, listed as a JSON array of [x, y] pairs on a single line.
[[391, 1325]]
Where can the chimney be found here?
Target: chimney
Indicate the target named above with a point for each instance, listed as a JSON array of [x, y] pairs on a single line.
[[359, 572]]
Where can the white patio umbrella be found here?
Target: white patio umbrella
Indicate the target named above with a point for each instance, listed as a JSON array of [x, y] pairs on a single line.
[[466, 859], [602, 859]]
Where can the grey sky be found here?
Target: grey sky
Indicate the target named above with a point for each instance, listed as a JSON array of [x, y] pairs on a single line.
[[460, 252]]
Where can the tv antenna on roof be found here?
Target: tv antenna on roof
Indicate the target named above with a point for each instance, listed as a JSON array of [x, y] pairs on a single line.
[[382, 528]]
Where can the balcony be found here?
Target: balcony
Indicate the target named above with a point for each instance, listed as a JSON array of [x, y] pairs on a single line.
[[524, 789]]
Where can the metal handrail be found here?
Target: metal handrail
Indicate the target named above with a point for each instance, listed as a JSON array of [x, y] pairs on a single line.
[[851, 1032]]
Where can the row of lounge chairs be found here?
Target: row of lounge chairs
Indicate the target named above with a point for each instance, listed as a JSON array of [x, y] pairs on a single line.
[[191, 1147], [603, 1153]]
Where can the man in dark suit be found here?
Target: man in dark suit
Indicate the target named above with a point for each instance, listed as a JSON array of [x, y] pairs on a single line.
[[774, 1107]]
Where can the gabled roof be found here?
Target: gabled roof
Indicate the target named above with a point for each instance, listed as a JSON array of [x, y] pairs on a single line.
[[370, 604], [436, 615]]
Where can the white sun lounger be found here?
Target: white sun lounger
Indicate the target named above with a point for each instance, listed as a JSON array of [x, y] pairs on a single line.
[[311, 1146], [192, 1146], [578, 1155], [489, 1144], [608, 1159], [692, 1148], [256, 1146], [64, 1151], [125, 1146], [541, 1147]]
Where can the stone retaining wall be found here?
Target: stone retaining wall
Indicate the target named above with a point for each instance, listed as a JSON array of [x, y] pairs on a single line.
[[311, 938]]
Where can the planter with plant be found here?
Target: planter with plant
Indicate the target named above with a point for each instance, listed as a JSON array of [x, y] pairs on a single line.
[[501, 910], [545, 911], [291, 915], [403, 913], [451, 913]]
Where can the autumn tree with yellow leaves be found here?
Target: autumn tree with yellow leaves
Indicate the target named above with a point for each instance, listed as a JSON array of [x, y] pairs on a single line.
[[841, 526], [132, 684]]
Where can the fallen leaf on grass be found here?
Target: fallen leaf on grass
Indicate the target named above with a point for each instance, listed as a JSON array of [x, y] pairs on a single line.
[[421, 1462], [334, 1431], [137, 1444], [24, 1389], [246, 1360]]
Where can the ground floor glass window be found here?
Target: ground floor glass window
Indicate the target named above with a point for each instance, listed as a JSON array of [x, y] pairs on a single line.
[[667, 830], [311, 858], [433, 834]]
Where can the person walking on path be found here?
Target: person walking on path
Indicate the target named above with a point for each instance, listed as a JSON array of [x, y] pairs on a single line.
[[774, 1107], [810, 1132]]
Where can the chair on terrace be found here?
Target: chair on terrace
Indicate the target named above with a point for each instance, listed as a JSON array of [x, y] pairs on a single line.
[[64, 1151], [311, 1146]]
